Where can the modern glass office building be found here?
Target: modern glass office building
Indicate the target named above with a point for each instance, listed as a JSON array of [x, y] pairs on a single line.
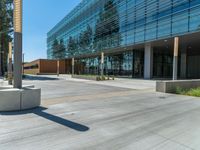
[[136, 37]]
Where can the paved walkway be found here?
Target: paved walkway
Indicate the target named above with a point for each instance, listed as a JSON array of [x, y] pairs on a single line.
[[137, 84], [81, 115], [1, 81]]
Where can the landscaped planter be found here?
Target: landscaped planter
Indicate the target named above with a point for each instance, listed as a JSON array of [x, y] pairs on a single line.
[[91, 77]]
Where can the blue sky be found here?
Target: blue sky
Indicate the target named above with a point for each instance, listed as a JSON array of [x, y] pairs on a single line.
[[39, 16]]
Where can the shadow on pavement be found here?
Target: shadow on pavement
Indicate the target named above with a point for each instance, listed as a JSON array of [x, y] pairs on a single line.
[[40, 112], [27, 77]]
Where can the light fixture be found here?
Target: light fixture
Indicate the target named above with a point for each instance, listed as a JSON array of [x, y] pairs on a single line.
[[18, 16], [176, 46], [10, 50]]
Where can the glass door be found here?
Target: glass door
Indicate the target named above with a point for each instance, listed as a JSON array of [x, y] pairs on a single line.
[[138, 64], [162, 63]]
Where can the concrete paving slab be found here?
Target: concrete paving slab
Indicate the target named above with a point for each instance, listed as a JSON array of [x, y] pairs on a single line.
[[77, 115], [1, 81], [129, 83], [171, 145]]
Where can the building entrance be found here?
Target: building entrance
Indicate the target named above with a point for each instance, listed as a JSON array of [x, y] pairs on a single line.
[[193, 62], [138, 64], [162, 62], [119, 64], [126, 64]]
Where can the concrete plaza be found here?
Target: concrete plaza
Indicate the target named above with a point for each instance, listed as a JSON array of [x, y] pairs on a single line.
[[89, 115]]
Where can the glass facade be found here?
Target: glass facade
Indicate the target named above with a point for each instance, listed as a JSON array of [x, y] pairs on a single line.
[[100, 25], [117, 27], [127, 64]]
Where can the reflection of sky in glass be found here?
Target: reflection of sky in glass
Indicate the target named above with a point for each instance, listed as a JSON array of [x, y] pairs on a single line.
[[139, 21]]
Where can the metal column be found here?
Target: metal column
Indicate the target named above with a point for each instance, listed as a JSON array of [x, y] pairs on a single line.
[[10, 64], [148, 61], [72, 66], [17, 43], [58, 67], [175, 61], [102, 64]]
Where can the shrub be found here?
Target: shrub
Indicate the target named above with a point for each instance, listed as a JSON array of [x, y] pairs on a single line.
[[194, 92], [98, 78], [5, 75], [103, 78], [189, 92], [180, 90]]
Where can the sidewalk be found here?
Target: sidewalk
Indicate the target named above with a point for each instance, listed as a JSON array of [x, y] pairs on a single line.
[[83, 115], [135, 84], [1, 80], [128, 83]]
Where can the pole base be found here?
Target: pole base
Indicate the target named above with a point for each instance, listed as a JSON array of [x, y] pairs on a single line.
[[13, 99]]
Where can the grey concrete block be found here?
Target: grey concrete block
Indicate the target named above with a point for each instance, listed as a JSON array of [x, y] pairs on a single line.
[[6, 87], [11, 87], [28, 86], [9, 99], [30, 98], [171, 86], [19, 99], [161, 86]]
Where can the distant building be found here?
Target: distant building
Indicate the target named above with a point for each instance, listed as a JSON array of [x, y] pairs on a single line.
[[136, 36], [43, 66]]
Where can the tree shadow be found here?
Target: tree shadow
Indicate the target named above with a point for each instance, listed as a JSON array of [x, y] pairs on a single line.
[[40, 112]]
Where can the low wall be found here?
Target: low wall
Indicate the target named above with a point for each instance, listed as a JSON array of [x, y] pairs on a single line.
[[171, 86]]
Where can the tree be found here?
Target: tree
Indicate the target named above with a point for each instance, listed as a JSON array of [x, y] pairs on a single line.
[[107, 27], [58, 49], [85, 39], [55, 49], [71, 46], [81, 42], [88, 37], [6, 28], [62, 50]]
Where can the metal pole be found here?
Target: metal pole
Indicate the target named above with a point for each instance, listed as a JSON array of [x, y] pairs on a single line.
[[102, 64], [23, 63], [73, 66], [10, 64], [58, 67], [175, 61], [18, 44], [17, 60]]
